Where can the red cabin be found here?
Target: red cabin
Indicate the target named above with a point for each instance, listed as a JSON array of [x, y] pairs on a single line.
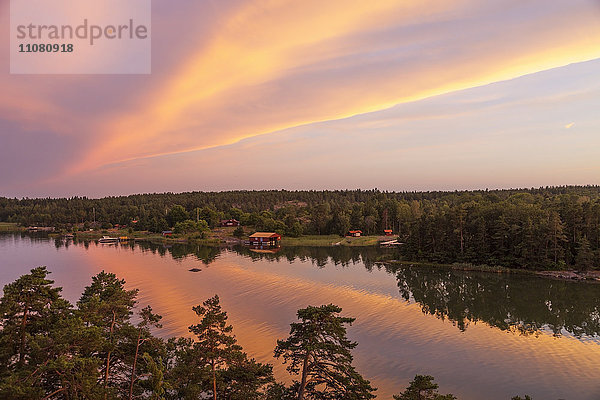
[[354, 233], [388, 232], [265, 238], [230, 222]]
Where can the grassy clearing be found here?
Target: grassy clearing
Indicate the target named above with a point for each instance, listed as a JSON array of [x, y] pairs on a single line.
[[148, 236], [9, 227], [329, 240]]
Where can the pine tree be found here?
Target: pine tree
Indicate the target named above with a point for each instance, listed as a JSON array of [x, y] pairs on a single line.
[[558, 237], [319, 351], [216, 346], [245, 379], [423, 388], [45, 350], [26, 305], [148, 320], [108, 306], [155, 384], [585, 255]]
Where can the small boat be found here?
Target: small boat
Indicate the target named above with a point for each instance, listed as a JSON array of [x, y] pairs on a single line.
[[194, 270], [69, 236], [108, 239]]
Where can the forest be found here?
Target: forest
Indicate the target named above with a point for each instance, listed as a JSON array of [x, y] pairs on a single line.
[[109, 347], [544, 228]]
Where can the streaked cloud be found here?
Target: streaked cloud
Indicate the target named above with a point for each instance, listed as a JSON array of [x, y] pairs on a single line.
[[507, 134], [276, 65], [229, 71]]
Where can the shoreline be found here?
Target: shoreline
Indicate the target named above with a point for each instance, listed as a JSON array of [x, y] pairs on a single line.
[[564, 275], [223, 237]]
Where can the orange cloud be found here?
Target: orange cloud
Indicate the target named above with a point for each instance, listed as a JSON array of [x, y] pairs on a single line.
[[276, 64]]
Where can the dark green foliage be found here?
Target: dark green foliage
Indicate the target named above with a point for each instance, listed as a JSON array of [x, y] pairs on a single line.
[[189, 226], [155, 384], [279, 391], [216, 347], [187, 379], [518, 304], [51, 350], [176, 215], [108, 306], [239, 232], [245, 379], [48, 349], [423, 388], [585, 255], [27, 306], [144, 338], [216, 351], [44, 347], [320, 353], [215, 364], [529, 228]]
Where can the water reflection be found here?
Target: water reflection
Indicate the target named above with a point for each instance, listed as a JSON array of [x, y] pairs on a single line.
[[319, 256], [262, 291], [513, 303]]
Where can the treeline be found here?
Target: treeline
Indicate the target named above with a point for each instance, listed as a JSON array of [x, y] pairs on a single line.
[[556, 227], [50, 349]]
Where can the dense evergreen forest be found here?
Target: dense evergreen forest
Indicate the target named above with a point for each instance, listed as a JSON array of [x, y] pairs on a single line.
[[546, 228]]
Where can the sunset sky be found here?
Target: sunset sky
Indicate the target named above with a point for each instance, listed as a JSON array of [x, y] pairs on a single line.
[[287, 94]]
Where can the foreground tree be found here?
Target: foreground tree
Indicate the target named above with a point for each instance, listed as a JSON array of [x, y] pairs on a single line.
[[148, 320], [108, 306], [215, 364], [423, 388], [245, 379], [26, 306], [156, 384], [216, 344], [319, 351], [45, 350], [183, 370]]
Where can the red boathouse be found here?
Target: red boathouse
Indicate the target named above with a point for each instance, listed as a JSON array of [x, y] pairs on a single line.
[[265, 238]]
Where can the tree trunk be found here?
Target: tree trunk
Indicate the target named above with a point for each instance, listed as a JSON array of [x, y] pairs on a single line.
[[462, 238], [106, 373], [23, 336], [214, 374], [54, 393], [303, 380], [555, 244], [137, 348]]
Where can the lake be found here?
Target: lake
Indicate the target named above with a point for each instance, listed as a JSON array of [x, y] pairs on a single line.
[[482, 335]]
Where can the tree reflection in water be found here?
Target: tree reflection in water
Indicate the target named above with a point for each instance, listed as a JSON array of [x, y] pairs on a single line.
[[516, 303]]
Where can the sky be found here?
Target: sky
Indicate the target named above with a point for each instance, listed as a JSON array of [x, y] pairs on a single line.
[[343, 94]]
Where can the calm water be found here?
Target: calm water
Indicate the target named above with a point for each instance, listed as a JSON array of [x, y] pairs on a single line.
[[483, 336]]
